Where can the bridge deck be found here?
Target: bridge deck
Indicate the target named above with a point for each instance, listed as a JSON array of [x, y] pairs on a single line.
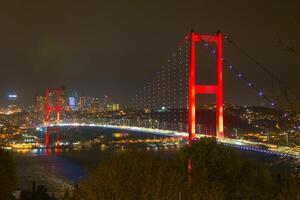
[[236, 143]]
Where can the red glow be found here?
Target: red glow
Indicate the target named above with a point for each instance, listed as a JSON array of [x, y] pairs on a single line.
[[192, 89], [49, 109], [190, 170], [205, 89], [219, 94], [56, 108]]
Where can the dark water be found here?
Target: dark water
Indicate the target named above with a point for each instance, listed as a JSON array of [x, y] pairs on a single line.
[[59, 170], [47, 168]]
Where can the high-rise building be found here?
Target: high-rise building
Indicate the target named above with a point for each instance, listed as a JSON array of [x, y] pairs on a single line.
[[95, 104], [63, 98], [12, 100], [85, 103], [73, 101], [39, 107], [104, 103], [39, 102], [13, 103]]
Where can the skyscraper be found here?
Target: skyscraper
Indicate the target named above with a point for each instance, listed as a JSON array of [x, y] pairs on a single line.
[[73, 100], [85, 103], [95, 104], [13, 103], [63, 98], [39, 102], [104, 103], [39, 107], [12, 100]]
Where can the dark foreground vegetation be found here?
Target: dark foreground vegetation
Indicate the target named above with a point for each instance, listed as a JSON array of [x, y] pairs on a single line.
[[7, 175], [217, 174]]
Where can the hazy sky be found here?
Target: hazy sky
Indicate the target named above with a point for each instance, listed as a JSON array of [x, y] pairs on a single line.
[[112, 47]]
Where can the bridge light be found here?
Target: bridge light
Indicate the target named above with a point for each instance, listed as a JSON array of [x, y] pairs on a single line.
[[260, 93], [249, 84]]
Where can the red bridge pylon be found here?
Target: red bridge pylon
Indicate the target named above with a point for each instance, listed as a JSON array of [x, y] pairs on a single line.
[[216, 89], [51, 108]]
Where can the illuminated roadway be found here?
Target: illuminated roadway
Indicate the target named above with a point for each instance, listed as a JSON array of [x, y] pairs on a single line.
[[236, 143]]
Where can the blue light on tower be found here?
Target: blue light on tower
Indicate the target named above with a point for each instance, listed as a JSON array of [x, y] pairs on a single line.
[[72, 103]]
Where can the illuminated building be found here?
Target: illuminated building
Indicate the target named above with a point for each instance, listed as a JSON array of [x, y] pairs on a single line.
[[95, 103], [85, 103], [73, 101], [63, 98], [13, 103], [12, 99], [120, 135], [113, 107], [39, 107], [39, 102], [104, 103]]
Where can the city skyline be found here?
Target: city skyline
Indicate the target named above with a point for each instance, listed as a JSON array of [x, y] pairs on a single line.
[[194, 99]]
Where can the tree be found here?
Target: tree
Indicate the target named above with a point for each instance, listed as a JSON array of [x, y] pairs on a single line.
[[7, 175], [133, 175], [217, 168], [218, 173]]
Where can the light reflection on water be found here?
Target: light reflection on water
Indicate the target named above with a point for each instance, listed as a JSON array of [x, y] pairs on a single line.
[[47, 168], [60, 169]]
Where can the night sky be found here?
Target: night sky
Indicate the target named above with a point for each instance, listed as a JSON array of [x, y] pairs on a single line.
[[109, 47]]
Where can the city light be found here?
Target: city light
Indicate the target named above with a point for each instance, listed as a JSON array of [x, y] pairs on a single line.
[[105, 100]]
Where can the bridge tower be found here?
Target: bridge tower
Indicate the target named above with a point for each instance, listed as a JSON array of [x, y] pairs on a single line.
[[49, 109], [194, 89]]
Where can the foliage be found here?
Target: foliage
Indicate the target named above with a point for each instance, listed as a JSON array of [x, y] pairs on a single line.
[[7, 175], [217, 174], [133, 175], [37, 193], [217, 169]]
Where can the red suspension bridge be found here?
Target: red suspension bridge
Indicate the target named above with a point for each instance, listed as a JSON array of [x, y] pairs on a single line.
[[171, 99]]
